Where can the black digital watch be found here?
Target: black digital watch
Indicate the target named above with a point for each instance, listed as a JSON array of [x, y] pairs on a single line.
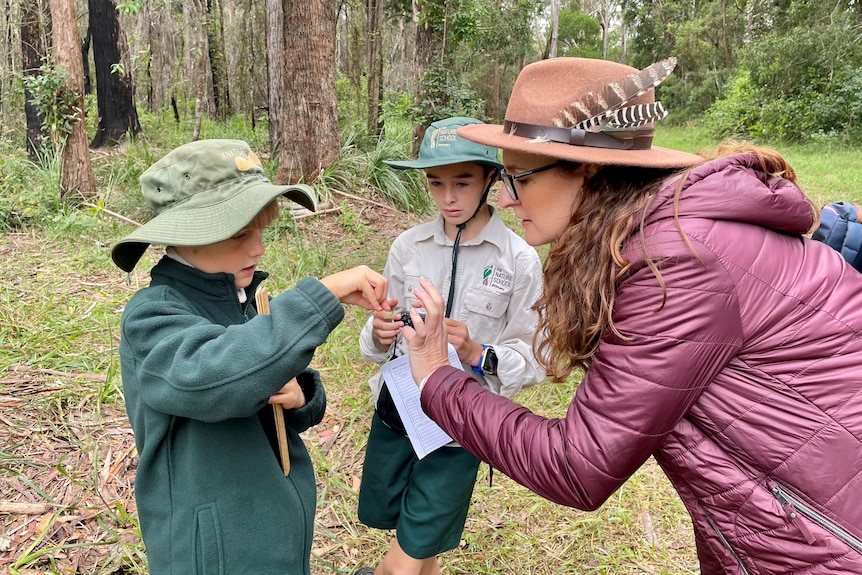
[[488, 363]]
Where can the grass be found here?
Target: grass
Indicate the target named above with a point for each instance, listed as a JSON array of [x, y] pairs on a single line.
[[827, 171], [67, 459]]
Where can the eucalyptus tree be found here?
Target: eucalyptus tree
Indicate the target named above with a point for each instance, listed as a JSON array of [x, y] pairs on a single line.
[[704, 35], [472, 52], [307, 139], [115, 92], [35, 39], [374, 20], [76, 178], [215, 33], [580, 35], [501, 40], [606, 14]]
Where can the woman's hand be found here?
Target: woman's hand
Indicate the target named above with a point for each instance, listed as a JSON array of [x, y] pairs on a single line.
[[360, 286], [290, 396], [427, 340]]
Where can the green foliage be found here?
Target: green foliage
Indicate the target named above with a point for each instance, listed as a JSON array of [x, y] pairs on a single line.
[[472, 37], [578, 35], [50, 94], [396, 107], [28, 190], [134, 7], [777, 71], [445, 94], [796, 86], [353, 107], [504, 31], [735, 114], [365, 174]]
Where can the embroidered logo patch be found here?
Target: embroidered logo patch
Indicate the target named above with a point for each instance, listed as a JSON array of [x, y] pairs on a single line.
[[443, 137], [245, 163], [497, 278]]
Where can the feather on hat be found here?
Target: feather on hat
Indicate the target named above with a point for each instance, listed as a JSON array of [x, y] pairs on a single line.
[[585, 110]]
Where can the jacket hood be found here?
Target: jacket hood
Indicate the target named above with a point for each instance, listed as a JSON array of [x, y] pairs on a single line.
[[735, 188]]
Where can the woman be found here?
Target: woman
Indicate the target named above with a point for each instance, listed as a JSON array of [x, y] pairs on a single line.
[[712, 334]]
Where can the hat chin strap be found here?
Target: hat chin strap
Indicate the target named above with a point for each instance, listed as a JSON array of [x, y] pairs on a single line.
[[484, 197], [622, 139]]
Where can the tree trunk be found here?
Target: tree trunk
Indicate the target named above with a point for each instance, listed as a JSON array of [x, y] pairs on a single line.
[[77, 173], [115, 94], [85, 60], [555, 28], [228, 104], [201, 52], [275, 73], [8, 57], [310, 139], [422, 55], [32, 51], [216, 60], [374, 17]]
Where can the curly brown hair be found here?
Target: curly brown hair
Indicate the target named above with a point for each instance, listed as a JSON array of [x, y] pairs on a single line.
[[585, 264]]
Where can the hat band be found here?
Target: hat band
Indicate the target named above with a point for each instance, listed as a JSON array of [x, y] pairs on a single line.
[[627, 139]]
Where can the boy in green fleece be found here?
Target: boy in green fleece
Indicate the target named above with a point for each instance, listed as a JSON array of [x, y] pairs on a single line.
[[200, 366]]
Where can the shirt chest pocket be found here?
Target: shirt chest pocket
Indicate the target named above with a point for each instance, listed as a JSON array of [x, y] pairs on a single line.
[[410, 284], [485, 312]]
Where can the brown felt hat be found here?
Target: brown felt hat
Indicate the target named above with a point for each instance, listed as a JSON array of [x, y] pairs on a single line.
[[552, 107]]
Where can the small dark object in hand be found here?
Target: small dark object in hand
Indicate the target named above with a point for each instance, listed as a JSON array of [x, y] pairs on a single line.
[[405, 317]]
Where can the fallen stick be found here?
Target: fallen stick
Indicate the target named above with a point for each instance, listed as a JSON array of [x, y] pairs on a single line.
[[366, 200], [24, 508], [113, 214]]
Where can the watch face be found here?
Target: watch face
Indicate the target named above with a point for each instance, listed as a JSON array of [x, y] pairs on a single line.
[[489, 361]]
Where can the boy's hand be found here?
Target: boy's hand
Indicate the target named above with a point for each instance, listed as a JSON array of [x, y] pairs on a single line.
[[290, 396], [386, 326], [360, 286], [469, 352]]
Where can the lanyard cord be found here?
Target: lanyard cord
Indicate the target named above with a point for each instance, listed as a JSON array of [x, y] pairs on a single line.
[[451, 297]]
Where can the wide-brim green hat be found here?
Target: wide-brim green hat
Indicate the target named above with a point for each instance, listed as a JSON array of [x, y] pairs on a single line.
[[442, 146], [203, 193]]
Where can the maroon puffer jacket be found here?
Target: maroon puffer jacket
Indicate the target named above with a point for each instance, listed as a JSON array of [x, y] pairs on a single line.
[[746, 386]]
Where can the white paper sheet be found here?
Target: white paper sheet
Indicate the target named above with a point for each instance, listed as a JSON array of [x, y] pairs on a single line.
[[425, 435]]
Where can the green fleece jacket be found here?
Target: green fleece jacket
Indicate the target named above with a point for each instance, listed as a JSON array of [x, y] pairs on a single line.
[[198, 367]]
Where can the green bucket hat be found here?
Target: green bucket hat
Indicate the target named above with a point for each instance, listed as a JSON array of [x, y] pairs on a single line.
[[441, 146], [203, 193]]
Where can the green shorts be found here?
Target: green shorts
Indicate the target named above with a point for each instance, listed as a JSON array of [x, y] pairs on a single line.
[[424, 500]]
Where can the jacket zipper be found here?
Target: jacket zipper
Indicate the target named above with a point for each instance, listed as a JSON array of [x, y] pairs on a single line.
[[726, 543], [793, 505]]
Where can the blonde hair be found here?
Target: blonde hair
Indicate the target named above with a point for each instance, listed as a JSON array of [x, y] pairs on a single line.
[[585, 264], [266, 216]]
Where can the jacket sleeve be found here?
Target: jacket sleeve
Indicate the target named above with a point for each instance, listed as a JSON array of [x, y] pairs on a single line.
[[517, 362], [190, 367], [638, 387]]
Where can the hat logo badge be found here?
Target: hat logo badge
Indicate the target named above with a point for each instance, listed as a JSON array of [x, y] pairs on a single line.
[[246, 163], [442, 137]]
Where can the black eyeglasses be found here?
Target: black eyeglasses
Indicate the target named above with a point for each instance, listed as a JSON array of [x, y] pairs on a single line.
[[510, 179]]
